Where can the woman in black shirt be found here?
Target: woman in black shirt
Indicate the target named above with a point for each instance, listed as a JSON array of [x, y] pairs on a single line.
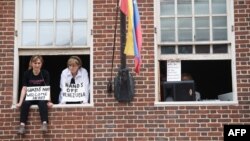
[[34, 76]]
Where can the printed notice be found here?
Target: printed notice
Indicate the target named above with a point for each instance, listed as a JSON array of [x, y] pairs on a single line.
[[173, 70], [38, 93]]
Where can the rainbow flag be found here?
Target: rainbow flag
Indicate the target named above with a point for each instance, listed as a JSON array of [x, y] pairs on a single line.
[[134, 35]]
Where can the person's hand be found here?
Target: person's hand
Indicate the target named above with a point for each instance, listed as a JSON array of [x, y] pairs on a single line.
[[50, 104], [18, 105]]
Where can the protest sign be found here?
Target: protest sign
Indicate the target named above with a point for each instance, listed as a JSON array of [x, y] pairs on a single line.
[[73, 92], [38, 93]]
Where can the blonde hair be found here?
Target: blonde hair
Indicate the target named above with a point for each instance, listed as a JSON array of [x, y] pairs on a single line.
[[34, 59], [74, 60]]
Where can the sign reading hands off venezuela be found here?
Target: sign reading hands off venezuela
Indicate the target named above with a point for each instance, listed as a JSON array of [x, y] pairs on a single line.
[[74, 92]]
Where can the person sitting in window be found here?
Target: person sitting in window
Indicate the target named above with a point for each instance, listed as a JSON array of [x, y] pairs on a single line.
[[187, 76], [74, 83], [34, 77]]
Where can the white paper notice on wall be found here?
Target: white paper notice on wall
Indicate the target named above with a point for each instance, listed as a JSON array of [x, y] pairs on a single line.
[[174, 70]]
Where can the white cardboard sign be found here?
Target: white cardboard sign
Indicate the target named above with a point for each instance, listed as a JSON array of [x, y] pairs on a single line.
[[73, 92], [38, 93]]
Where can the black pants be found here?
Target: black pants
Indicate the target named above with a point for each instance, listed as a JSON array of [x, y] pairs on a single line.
[[43, 110]]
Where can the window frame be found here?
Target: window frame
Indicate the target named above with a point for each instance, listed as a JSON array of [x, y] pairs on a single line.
[[20, 50], [159, 57]]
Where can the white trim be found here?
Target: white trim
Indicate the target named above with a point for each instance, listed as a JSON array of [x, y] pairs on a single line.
[[90, 42], [197, 103], [16, 58], [228, 56], [156, 40], [71, 21], [48, 50], [233, 51], [194, 43], [195, 57], [62, 106]]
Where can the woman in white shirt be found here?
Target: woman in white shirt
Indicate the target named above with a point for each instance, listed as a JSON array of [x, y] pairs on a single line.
[[74, 83]]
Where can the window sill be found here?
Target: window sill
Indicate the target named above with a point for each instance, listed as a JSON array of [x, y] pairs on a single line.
[[72, 105], [62, 106], [196, 103]]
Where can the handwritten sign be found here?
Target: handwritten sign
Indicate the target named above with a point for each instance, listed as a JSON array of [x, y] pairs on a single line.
[[173, 70], [38, 93], [73, 92]]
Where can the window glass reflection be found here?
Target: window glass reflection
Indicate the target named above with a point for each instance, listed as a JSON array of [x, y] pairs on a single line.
[[29, 9], [46, 9], [167, 7], [184, 7], [79, 5], [63, 33], [46, 33], [167, 50], [202, 49], [63, 9], [29, 33], [79, 33], [201, 7], [219, 7], [185, 49]]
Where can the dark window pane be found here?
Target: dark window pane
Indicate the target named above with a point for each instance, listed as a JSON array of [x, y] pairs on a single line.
[[185, 49], [167, 50], [220, 49], [202, 49]]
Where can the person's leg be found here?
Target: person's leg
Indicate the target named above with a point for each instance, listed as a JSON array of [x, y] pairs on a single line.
[[24, 113], [43, 109]]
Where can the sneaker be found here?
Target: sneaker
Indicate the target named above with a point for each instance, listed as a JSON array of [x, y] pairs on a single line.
[[44, 127], [21, 129]]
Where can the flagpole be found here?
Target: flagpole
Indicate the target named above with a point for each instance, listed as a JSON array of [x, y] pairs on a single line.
[[124, 81], [123, 39]]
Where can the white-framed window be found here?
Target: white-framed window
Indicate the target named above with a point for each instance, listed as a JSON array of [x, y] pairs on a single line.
[[195, 37], [55, 29]]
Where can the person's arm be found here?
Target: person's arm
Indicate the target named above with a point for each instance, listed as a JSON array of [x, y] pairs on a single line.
[[86, 85], [23, 93], [24, 88], [62, 84]]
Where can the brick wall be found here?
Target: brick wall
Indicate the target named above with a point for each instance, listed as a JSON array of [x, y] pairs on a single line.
[[109, 120]]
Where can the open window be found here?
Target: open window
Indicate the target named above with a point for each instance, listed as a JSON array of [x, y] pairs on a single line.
[[55, 29], [54, 65], [198, 35], [212, 79]]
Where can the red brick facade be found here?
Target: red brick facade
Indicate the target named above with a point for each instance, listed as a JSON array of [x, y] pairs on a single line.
[[140, 120]]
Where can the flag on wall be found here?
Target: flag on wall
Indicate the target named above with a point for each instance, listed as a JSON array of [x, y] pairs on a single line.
[[134, 34]]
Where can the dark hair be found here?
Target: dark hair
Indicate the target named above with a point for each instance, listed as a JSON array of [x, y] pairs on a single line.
[[187, 76]]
